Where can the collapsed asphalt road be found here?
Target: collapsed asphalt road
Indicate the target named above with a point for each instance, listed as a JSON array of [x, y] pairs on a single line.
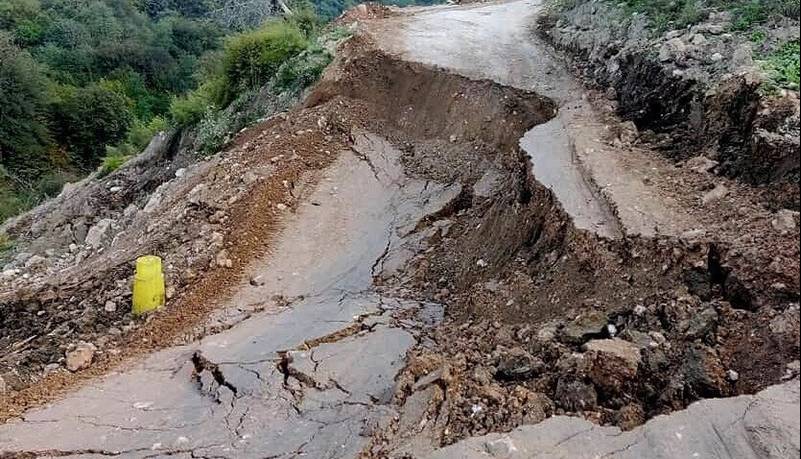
[[306, 355], [309, 377]]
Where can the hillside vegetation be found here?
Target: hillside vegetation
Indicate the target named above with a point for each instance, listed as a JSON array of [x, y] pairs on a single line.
[[85, 84]]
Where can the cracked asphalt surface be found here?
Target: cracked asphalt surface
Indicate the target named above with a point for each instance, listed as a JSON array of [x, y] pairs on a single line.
[[310, 377]]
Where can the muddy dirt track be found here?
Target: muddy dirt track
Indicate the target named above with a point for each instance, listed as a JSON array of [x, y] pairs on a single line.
[[479, 255]]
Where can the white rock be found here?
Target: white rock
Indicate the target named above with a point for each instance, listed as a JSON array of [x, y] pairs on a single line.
[[785, 221], [81, 357], [110, 306], [732, 375], [97, 234], [714, 195], [180, 172], [672, 50]]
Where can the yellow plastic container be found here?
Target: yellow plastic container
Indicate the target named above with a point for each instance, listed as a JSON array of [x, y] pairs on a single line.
[[148, 287]]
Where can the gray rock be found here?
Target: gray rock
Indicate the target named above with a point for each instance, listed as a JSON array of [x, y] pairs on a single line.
[[765, 425], [98, 233], [673, 50], [743, 57], [574, 395], [715, 195], [3, 387], [518, 365], [587, 325], [701, 164], [785, 221]]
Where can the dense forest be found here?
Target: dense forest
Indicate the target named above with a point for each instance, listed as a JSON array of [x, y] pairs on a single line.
[[83, 81]]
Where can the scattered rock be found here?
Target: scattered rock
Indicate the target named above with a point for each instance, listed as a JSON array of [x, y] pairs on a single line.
[[98, 233], [715, 195], [535, 406], [630, 416], [785, 221], [701, 164], [3, 387], [81, 357], [700, 324], [257, 281], [518, 365], [733, 375], [222, 259], [612, 362], [110, 306], [703, 372], [574, 395], [587, 325], [673, 50]]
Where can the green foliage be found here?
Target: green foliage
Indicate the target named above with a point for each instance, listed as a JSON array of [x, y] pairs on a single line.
[[665, 14], [22, 108], [677, 14], [189, 109], [252, 58], [89, 118], [6, 243], [783, 66], [303, 70]]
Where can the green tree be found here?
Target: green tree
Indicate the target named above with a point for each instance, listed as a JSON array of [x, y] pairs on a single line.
[[23, 133], [90, 118]]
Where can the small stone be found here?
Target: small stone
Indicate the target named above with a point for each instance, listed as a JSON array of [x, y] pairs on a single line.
[[699, 40], [518, 365], [701, 164], [585, 326], [3, 387], [574, 395], [501, 447], [115, 189], [180, 172], [257, 281], [110, 306], [703, 371], [481, 263], [453, 138], [612, 362], [717, 57], [51, 368], [611, 93], [785, 221], [81, 357], [630, 416], [672, 50], [743, 57], [715, 195], [98, 233], [222, 259], [733, 376]]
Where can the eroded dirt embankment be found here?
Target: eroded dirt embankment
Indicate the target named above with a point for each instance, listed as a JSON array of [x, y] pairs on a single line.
[[694, 91], [543, 318]]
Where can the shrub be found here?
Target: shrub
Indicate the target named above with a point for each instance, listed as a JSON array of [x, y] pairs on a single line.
[[783, 66], [302, 70], [252, 59], [113, 161], [189, 109]]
